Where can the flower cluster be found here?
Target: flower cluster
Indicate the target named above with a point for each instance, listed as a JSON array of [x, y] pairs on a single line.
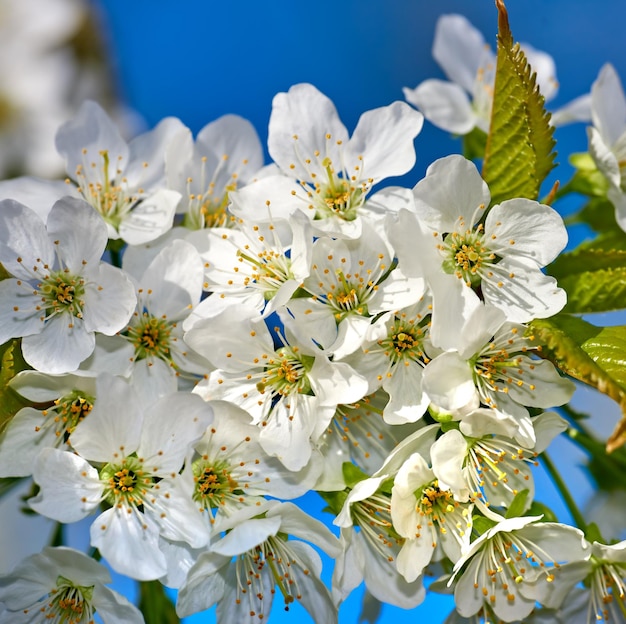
[[207, 338]]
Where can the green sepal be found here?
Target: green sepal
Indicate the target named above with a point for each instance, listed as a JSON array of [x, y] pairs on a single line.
[[352, 474], [591, 354], [518, 505], [334, 501], [11, 363], [519, 150], [154, 603], [593, 534], [481, 524], [539, 509]]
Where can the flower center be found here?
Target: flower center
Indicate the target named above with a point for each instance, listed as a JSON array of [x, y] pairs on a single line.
[[62, 292], [465, 255], [496, 367], [126, 483], [608, 591], [69, 411], [286, 373], [405, 339], [151, 337], [339, 195], [112, 199], [69, 603], [213, 483], [207, 210], [270, 270], [273, 557], [373, 516]]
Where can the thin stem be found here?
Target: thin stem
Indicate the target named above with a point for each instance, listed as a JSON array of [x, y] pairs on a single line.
[[564, 491]]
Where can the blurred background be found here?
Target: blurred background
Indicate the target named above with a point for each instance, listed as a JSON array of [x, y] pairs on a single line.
[[200, 59]]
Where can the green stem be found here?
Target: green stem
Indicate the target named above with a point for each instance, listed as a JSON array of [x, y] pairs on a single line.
[[564, 491]]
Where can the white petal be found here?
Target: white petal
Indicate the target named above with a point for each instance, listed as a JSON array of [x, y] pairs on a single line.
[[70, 487], [526, 229], [81, 141], [459, 49], [152, 218], [21, 442], [146, 160], [175, 278], [448, 381], [294, 521], [110, 300], [130, 543], [604, 158], [114, 422], [579, 109], [61, 346], [384, 138], [19, 315], [113, 607], [36, 193], [81, 232], [529, 294], [444, 104], [170, 426], [452, 189], [608, 105], [448, 454], [246, 536], [309, 115], [23, 236], [236, 138]]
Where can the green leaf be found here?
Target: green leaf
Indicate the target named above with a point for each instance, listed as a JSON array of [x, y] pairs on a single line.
[[481, 525], [518, 505], [539, 509], [334, 500], [599, 214], [155, 605], [594, 279], [519, 152], [352, 474], [593, 355], [474, 144], [11, 363]]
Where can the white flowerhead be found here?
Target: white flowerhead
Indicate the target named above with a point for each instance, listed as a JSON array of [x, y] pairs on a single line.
[[607, 581], [137, 449], [393, 356], [227, 154], [70, 399], [167, 291], [257, 558], [350, 282], [291, 392], [124, 182], [426, 514], [63, 585], [497, 253], [514, 564], [308, 142], [61, 294], [492, 366], [467, 60]]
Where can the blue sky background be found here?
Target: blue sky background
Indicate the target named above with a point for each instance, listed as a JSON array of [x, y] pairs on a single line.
[[200, 59]]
